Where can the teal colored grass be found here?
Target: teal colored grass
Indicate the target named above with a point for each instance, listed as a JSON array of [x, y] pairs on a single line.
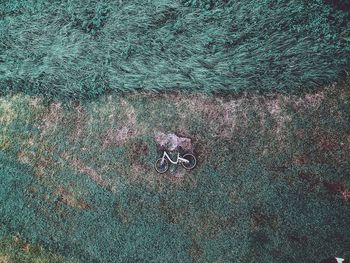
[[82, 49], [267, 188], [272, 170]]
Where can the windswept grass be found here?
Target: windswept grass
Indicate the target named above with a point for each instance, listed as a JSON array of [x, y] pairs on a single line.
[[81, 49]]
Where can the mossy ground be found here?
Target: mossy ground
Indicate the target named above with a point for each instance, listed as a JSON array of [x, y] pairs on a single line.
[[272, 182]]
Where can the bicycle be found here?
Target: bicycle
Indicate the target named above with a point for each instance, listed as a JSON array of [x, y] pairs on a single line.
[[188, 161]]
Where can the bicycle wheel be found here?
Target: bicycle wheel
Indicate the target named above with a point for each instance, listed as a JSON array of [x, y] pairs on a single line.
[[191, 161], [161, 165]]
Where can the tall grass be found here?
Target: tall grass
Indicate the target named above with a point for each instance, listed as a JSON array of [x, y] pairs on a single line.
[[81, 49]]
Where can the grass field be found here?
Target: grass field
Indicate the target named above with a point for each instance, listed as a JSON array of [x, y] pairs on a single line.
[[79, 50], [258, 91], [271, 185]]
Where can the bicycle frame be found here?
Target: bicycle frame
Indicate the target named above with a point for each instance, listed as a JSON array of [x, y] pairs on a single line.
[[179, 159]]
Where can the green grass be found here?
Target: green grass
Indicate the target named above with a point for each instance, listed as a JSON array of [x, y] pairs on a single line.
[[14, 250], [267, 187], [73, 50], [77, 144]]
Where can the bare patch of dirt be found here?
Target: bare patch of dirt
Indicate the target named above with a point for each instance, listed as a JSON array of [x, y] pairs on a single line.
[[346, 195], [8, 114], [222, 117], [137, 168], [310, 100], [117, 137], [35, 102], [43, 167], [89, 171], [51, 117], [278, 113], [130, 112], [69, 198], [178, 177], [328, 142], [172, 142], [54, 109], [79, 120], [25, 157], [4, 258]]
